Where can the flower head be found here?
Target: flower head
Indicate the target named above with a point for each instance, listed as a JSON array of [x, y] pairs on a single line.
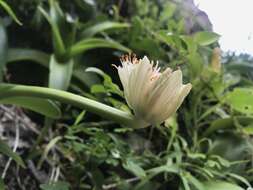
[[153, 95]]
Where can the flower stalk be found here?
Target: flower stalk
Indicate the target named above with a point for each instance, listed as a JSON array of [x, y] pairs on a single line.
[[105, 111]]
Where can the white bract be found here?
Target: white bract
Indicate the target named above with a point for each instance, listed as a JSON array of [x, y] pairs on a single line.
[[153, 95]]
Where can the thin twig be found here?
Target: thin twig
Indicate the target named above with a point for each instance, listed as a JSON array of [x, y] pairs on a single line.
[[24, 121]]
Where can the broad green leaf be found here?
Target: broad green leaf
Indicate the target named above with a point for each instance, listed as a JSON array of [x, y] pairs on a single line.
[[3, 48], [169, 9], [5, 149], [98, 88], [91, 31], [227, 123], [18, 54], [221, 185], [42, 106], [93, 43], [233, 148], [191, 44], [60, 74], [240, 99], [60, 185], [170, 39], [84, 78], [196, 63], [205, 38], [109, 86], [8, 9], [248, 129]]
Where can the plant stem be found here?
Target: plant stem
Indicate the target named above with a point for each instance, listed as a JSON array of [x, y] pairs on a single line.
[[12, 90]]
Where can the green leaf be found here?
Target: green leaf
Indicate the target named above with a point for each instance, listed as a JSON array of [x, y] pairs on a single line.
[[49, 146], [240, 178], [3, 48], [98, 88], [249, 129], [18, 54], [196, 63], [109, 86], [42, 106], [165, 168], [133, 167], [227, 123], [60, 74], [8, 9], [5, 149], [53, 19], [170, 39], [2, 187], [240, 99], [93, 43], [91, 31], [84, 78], [185, 183], [221, 185], [191, 44], [206, 38], [233, 148], [60, 185], [199, 185], [79, 117], [169, 9]]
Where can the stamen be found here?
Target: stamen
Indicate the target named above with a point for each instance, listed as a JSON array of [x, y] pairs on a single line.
[[155, 76], [130, 58], [115, 66]]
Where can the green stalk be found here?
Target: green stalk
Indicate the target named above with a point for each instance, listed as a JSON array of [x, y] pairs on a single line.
[[9, 90]]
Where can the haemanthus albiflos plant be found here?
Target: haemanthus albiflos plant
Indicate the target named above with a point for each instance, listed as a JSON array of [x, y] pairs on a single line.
[[153, 95]]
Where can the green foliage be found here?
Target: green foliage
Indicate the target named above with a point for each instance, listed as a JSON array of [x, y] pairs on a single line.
[[241, 100], [221, 186], [206, 145]]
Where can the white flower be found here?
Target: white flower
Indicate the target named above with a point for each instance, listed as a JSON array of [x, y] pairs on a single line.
[[153, 95]]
